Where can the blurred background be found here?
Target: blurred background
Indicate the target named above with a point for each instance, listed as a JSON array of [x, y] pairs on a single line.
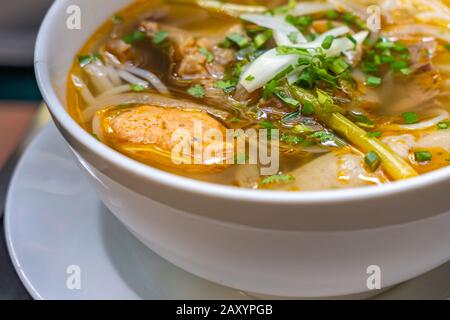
[[21, 111], [19, 95]]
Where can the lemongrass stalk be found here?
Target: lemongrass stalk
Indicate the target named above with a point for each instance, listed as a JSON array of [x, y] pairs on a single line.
[[328, 113]]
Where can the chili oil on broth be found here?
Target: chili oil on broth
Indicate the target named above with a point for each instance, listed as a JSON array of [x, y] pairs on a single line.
[[194, 19]]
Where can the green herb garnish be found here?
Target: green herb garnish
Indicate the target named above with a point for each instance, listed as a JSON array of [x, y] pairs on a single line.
[[410, 117], [423, 156], [116, 19], [137, 87], [227, 86], [278, 178], [327, 42], [134, 37], [209, 56], [287, 99], [372, 160], [239, 39], [373, 81], [374, 134], [197, 91], [160, 37]]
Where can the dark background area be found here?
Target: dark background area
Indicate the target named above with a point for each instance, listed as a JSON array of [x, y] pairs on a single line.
[[17, 85]]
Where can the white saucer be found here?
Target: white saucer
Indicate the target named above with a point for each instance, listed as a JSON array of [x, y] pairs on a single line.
[[54, 220]]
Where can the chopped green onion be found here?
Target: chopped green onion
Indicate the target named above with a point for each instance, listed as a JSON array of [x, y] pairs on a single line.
[[278, 178], [238, 39], [266, 124], [262, 38], [332, 14], [116, 19], [399, 65], [410, 117], [85, 60], [349, 17], [308, 108], [226, 86], [361, 120], [269, 89], [250, 78], [374, 134], [160, 37], [353, 40], [291, 139], [443, 125], [447, 46], [197, 91], [400, 47], [385, 44], [405, 71], [327, 42], [422, 156], [307, 79], [373, 81], [287, 99], [338, 66], [209, 56], [372, 160], [137, 87]]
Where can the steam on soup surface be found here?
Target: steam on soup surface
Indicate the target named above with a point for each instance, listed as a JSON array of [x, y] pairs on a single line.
[[350, 105]]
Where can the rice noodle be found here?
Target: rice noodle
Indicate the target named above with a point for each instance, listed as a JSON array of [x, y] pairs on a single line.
[[98, 77], [113, 75], [442, 115], [128, 77], [151, 77], [116, 90], [83, 89]]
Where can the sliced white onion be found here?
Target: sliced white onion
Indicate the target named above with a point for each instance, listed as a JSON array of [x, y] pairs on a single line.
[[336, 32], [282, 39], [422, 29], [149, 76], [442, 115], [265, 68], [278, 24], [307, 8], [340, 45]]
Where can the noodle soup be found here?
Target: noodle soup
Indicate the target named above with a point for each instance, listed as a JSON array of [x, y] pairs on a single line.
[[344, 104]]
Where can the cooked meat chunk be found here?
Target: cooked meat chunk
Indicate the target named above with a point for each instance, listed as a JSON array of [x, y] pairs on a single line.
[[190, 62]]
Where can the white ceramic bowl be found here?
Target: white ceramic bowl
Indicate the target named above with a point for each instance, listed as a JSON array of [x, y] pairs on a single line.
[[308, 244]]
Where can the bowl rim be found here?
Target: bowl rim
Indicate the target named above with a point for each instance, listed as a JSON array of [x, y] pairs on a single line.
[[180, 183]]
